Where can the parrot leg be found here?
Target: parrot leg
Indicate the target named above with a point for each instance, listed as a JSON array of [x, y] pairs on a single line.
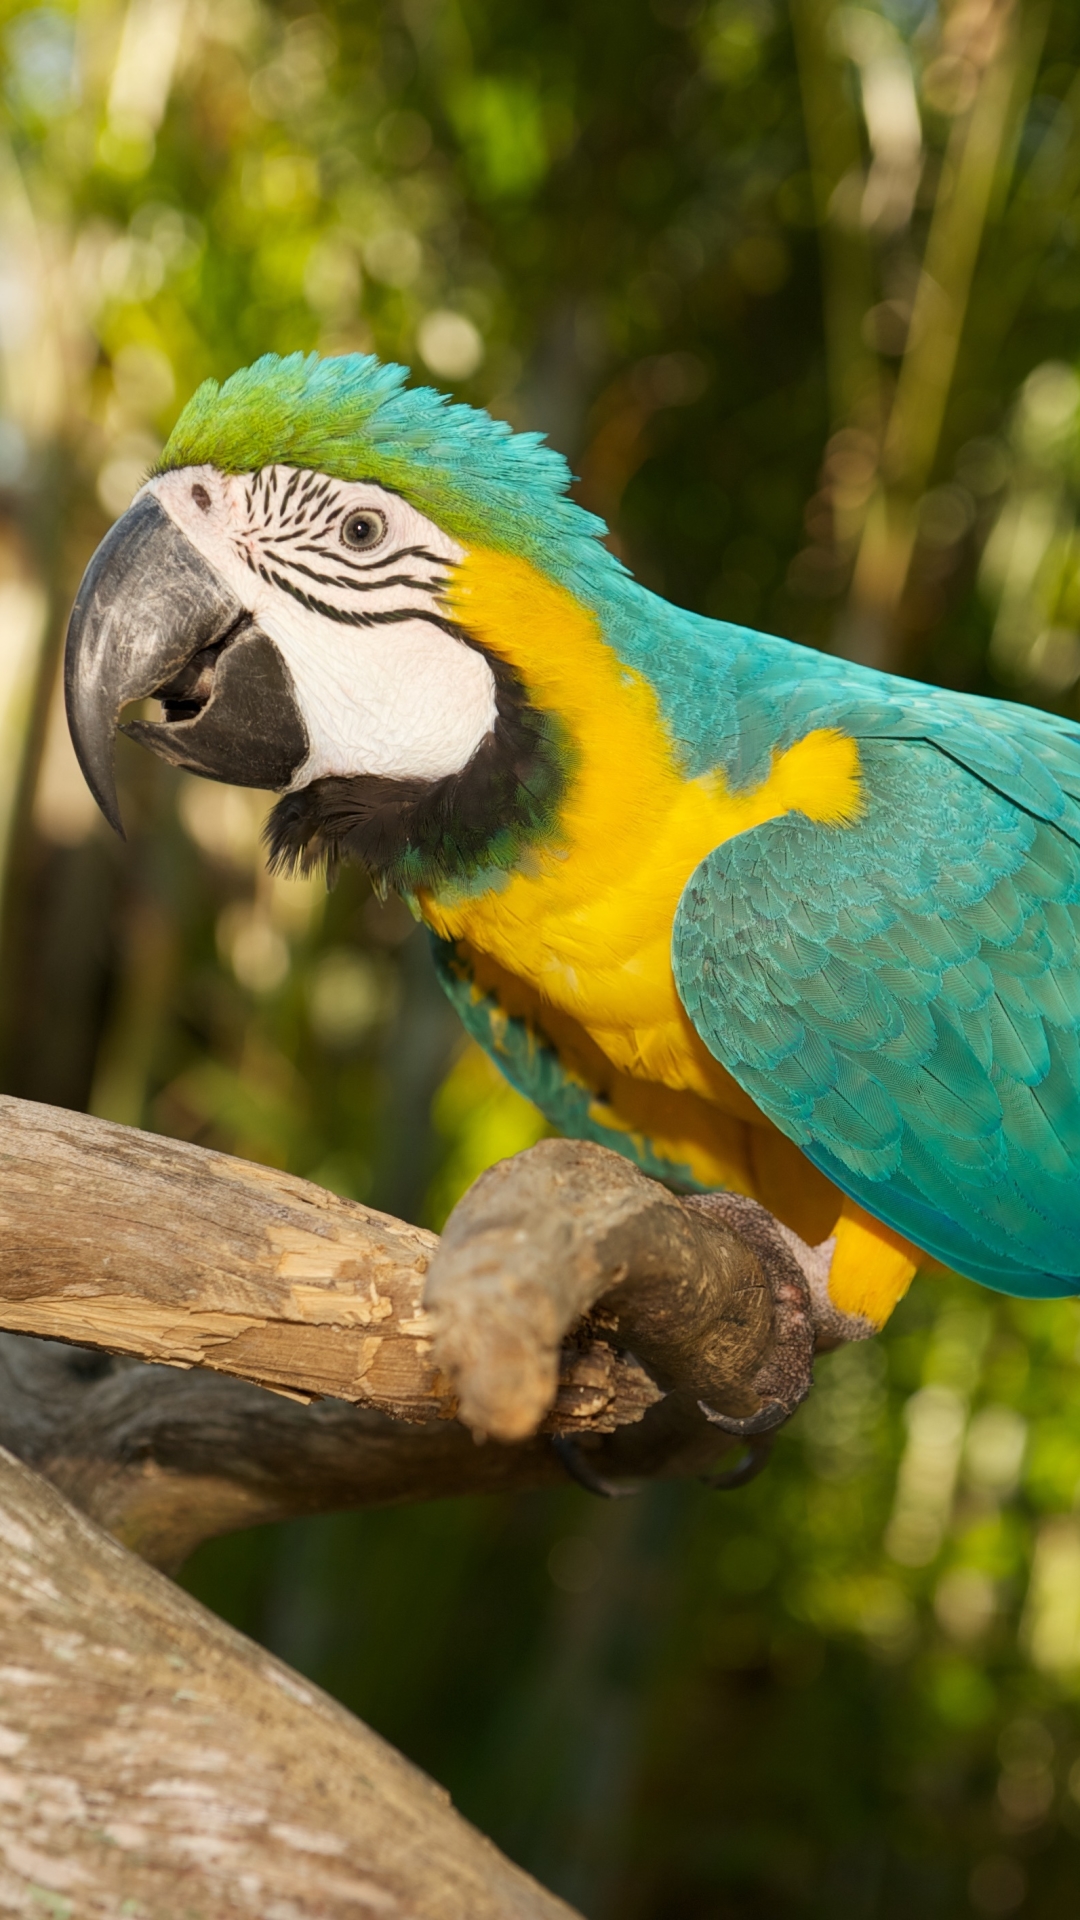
[[832, 1326], [866, 1269]]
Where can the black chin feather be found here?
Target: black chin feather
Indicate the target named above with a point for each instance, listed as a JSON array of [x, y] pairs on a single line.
[[416, 833]]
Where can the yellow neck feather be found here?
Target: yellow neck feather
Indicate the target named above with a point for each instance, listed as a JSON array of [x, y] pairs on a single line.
[[588, 919]]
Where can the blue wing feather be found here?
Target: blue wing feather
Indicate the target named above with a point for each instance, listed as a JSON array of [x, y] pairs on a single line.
[[902, 997]]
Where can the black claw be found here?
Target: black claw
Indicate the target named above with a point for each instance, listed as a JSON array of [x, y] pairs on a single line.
[[756, 1457], [771, 1415], [586, 1476]]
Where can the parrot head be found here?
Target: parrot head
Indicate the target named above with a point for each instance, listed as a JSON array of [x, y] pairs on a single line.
[[283, 586]]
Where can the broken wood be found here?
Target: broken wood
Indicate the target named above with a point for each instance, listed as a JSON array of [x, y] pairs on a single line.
[[154, 1248], [570, 1294], [140, 1245]]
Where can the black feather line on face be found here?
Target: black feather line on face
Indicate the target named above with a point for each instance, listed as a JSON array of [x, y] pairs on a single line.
[[418, 833]]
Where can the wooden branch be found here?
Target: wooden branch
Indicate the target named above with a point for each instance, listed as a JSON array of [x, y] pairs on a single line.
[[166, 1459], [141, 1245], [151, 1247], [152, 1760], [570, 1294], [540, 1240]]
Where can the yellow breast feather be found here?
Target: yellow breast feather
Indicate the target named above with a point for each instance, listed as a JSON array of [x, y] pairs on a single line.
[[589, 923]]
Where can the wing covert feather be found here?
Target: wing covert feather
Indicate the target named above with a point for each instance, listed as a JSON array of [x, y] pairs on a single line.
[[902, 998]]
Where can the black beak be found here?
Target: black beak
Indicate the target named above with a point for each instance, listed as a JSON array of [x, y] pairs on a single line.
[[153, 617]]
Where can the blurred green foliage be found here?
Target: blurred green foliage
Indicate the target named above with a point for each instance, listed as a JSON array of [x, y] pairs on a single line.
[[797, 289]]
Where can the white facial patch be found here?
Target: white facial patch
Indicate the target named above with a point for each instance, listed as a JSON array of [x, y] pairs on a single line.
[[347, 580]]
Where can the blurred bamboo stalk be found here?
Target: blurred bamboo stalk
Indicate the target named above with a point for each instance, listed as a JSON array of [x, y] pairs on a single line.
[[835, 154], [972, 169], [1041, 200], [982, 78], [46, 361], [36, 355], [130, 1042]]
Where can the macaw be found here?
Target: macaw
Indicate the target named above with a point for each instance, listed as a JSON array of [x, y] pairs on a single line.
[[757, 917]]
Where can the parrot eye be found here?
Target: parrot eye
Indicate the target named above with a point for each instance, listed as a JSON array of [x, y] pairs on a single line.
[[364, 530]]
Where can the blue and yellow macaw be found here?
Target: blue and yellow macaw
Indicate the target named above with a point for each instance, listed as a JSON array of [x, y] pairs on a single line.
[[756, 917]]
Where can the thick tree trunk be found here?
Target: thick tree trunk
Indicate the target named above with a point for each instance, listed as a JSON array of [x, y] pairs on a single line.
[[152, 1761]]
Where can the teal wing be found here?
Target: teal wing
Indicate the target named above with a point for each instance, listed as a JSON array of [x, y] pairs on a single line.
[[902, 998]]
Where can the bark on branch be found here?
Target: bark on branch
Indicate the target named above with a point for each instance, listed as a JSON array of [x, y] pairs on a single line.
[[166, 1459], [150, 1247], [154, 1761], [570, 1295]]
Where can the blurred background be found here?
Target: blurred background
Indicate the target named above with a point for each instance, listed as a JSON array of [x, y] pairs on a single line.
[[796, 287]]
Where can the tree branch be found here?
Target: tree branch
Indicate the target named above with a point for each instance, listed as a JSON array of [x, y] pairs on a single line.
[[152, 1760], [150, 1247], [165, 1459], [570, 1294]]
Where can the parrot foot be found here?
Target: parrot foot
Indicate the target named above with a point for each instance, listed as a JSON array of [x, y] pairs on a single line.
[[582, 1470], [784, 1380], [754, 1460], [568, 1233], [704, 1300], [772, 1414]]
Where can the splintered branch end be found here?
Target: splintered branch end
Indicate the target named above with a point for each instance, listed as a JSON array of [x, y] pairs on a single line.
[[569, 1229]]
